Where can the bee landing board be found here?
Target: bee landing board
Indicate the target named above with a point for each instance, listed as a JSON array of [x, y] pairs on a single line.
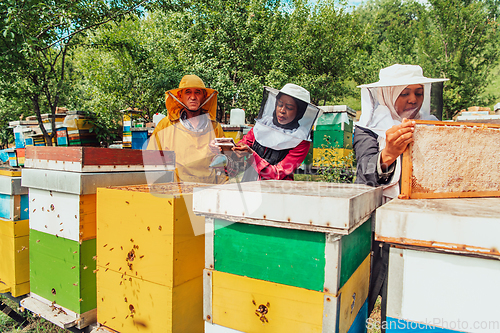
[[58, 315], [451, 160]]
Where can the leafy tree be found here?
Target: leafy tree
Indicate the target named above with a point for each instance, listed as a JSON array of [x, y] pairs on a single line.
[[460, 43], [232, 45], [323, 43], [36, 39], [391, 31], [136, 67]]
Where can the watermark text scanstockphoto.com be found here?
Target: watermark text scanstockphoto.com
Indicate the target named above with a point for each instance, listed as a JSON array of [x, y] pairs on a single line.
[[433, 323]]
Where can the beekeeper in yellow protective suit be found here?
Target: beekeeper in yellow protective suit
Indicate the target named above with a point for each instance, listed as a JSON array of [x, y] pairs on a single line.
[[189, 129]]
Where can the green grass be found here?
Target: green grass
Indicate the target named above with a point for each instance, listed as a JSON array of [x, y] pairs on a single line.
[[35, 324]]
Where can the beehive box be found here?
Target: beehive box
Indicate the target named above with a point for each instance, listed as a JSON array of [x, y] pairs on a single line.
[[268, 258], [150, 258], [63, 271], [446, 265], [332, 139], [63, 221], [436, 292], [14, 265], [14, 226], [331, 157], [469, 226], [451, 160], [13, 199]]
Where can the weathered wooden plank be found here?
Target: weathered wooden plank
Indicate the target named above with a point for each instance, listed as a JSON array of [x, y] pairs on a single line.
[[95, 155], [93, 159], [291, 257], [58, 315], [207, 295]]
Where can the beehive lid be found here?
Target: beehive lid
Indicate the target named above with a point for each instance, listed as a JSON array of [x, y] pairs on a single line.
[[469, 225], [11, 186], [338, 109], [170, 188], [319, 206], [87, 183], [93, 159]]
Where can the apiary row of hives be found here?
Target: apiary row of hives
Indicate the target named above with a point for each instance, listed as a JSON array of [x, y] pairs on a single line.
[[62, 184], [272, 256]]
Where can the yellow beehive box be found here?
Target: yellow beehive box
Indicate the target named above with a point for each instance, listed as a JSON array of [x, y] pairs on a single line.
[[14, 264], [331, 156], [251, 305], [150, 259]]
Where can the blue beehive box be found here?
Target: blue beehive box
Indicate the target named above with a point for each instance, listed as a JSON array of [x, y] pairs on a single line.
[[139, 137]]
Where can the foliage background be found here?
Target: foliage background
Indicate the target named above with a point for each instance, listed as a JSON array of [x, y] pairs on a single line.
[[105, 56]]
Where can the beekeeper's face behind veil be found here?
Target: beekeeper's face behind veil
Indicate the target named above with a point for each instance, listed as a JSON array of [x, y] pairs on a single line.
[[402, 92], [285, 118]]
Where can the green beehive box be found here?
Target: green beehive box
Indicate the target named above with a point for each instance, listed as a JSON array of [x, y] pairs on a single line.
[[336, 118], [332, 139], [267, 259], [286, 256], [63, 271], [348, 127]]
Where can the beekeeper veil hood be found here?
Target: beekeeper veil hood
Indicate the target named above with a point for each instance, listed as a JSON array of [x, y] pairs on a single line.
[[175, 106], [378, 111], [272, 131]]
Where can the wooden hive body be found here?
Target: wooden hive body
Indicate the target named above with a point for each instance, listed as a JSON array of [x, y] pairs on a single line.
[[286, 270], [444, 263], [150, 262], [63, 221], [451, 160], [430, 292], [14, 230], [14, 265], [13, 199], [63, 271], [262, 272]]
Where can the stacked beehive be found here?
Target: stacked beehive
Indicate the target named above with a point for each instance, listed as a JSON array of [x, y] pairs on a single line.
[[14, 228], [79, 125], [444, 259], [273, 266], [62, 186], [444, 264], [333, 134], [150, 253]]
